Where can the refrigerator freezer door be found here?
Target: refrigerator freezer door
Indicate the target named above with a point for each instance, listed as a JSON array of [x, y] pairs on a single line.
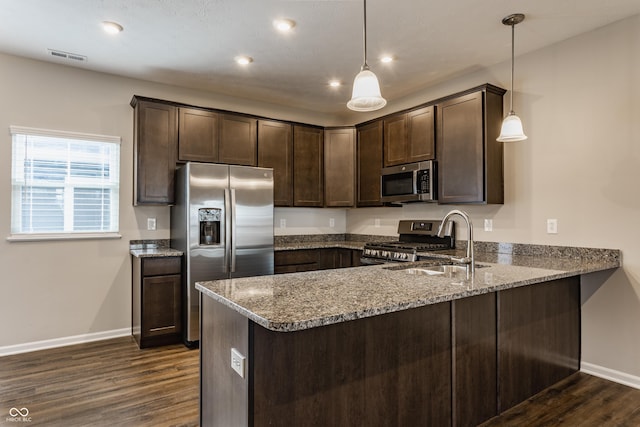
[[206, 188], [252, 221]]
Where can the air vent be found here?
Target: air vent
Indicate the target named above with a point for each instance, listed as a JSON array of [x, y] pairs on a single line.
[[66, 55]]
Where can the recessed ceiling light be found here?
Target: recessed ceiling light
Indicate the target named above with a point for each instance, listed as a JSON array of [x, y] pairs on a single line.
[[243, 59], [284, 25], [112, 27], [335, 83], [387, 58]]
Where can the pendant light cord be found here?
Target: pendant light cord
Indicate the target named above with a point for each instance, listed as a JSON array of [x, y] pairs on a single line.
[[512, 65], [364, 36]]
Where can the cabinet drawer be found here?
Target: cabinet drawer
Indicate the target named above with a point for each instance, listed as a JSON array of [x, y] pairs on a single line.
[[161, 266], [294, 257]]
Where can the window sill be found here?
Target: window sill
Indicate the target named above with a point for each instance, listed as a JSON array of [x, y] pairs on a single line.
[[62, 236]]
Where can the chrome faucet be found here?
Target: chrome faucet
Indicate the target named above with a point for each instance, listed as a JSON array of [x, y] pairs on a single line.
[[469, 259]]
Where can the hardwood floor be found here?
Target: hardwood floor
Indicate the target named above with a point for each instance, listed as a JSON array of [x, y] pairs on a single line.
[[579, 400], [113, 383], [106, 383]]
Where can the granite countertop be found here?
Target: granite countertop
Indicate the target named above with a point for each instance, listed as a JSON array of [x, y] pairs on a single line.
[[152, 249], [346, 244], [155, 252], [297, 301]]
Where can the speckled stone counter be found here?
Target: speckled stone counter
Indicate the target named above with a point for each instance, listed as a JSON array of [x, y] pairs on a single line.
[[152, 249], [297, 301]]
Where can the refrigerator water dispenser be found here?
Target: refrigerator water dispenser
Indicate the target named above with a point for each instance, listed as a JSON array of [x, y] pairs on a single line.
[[209, 226]]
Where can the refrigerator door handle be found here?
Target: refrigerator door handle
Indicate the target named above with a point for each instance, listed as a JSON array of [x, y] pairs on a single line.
[[227, 229], [233, 230]]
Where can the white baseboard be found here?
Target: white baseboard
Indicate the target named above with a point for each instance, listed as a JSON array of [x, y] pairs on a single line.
[[610, 374], [64, 341]]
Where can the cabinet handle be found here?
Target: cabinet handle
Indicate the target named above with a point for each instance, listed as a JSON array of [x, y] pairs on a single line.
[[233, 230], [227, 229]]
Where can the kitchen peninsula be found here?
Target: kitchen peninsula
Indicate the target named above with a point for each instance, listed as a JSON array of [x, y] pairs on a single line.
[[376, 345]]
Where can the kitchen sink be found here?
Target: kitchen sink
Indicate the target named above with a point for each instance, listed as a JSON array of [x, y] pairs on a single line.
[[456, 271]]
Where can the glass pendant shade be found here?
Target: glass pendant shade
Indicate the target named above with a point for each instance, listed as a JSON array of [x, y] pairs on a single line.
[[511, 130], [366, 94]]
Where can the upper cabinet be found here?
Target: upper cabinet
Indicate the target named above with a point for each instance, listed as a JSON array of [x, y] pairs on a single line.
[[308, 171], [340, 167], [238, 140], [275, 150], [198, 135], [369, 163], [409, 137], [155, 152], [470, 160]]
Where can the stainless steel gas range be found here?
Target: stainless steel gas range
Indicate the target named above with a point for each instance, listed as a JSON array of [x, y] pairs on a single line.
[[415, 236]]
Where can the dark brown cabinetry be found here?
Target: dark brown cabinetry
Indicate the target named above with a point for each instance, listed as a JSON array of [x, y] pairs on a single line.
[[409, 137], [470, 160], [238, 140], [156, 300], [308, 170], [275, 150], [442, 364], [315, 259], [539, 330], [198, 135], [340, 167], [369, 163], [155, 152]]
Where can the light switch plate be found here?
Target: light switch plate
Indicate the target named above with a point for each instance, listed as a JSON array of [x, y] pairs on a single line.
[[151, 223], [488, 225], [238, 362], [552, 226]]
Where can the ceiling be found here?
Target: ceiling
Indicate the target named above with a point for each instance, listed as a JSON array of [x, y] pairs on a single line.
[[192, 43]]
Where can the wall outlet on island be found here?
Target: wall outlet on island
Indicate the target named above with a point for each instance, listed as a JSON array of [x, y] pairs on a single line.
[[151, 223]]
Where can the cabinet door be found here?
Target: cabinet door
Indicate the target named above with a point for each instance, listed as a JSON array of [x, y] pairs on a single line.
[[198, 135], [460, 150], [161, 306], [369, 164], [339, 167], [307, 166], [395, 140], [238, 140], [421, 132], [156, 146], [275, 150]]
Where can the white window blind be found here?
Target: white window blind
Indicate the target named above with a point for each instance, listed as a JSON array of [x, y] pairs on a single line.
[[64, 184]]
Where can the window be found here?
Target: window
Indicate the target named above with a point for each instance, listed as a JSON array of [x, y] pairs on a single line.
[[64, 184]]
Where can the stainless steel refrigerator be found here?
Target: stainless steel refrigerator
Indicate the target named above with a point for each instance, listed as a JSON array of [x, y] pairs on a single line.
[[223, 222]]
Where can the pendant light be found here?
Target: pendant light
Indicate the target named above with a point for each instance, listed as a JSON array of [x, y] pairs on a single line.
[[511, 130], [366, 89]]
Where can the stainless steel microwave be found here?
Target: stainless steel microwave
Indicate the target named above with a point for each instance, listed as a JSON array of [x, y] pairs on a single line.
[[413, 182]]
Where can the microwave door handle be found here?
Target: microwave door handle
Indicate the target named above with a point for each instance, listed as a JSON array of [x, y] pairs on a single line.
[[414, 182], [227, 229]]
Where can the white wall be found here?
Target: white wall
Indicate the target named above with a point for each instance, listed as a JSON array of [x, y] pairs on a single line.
[[579, 101]]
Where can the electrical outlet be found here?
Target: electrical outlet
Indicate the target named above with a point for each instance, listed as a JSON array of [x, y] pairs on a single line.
[[376, 223], [488, 225], [332, 222], [283, 223], [552, 226], [238, 362], [151, 223]]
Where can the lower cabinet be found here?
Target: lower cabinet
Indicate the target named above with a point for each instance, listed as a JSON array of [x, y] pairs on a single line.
[[455, 363], [156, 315], [315, 259]]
